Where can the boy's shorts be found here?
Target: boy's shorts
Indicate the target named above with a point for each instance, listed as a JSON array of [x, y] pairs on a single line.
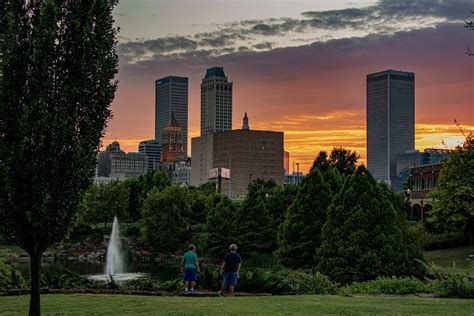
[[190, 274], [230, 278]]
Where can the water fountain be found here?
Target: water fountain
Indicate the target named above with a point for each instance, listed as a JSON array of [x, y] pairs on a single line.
[[114, 259], [114, 267]]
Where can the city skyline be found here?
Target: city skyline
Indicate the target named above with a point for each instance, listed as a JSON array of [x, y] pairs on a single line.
[[311, 88]]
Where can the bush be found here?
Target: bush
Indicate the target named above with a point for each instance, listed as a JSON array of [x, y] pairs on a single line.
[[385, 285], [172, 285], [145, 283], [455, 286], [277, 282], [298, 282], [10, 277]]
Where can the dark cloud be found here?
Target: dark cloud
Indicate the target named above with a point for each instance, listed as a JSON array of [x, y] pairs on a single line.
[[384, 18], [138, 49], [266, 45]]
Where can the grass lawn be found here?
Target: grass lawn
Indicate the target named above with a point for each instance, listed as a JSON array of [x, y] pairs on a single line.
[[78, 304]]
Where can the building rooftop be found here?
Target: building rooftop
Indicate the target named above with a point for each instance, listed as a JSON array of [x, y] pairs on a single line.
[[391, 72], [215, 72]]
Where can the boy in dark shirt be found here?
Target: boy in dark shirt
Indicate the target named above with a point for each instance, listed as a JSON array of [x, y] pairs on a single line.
[[230, 270]]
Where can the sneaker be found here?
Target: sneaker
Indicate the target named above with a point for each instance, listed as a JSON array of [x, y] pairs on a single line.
[[219, 293], [192, 291]]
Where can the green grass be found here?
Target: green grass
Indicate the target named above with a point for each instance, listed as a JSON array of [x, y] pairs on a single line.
[[273, 305], [452, 259]]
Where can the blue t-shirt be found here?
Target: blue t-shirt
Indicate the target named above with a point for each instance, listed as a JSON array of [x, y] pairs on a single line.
[[232, 260], [190, 259]]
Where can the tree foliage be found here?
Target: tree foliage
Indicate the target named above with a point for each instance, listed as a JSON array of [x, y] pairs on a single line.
[[453, 208], [220, 229], [139, 188], [59, 64], [364, 236], [104, 201], [300, 233], [163, 222]]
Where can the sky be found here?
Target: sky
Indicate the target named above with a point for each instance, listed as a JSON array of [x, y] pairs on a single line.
[[297, 66]]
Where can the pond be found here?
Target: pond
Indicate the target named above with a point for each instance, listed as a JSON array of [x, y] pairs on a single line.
[[163, 272]]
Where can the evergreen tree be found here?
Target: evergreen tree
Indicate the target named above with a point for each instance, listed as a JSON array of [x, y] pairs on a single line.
[[300, 233], [59, 65], [255, 227], [364, 236], [344, 160], [220, 229]]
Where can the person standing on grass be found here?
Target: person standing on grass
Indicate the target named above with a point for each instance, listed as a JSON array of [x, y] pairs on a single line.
[[230, 270], [191, 268]]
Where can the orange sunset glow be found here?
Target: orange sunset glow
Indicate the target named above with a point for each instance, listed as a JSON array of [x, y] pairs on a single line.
[[306, 78]]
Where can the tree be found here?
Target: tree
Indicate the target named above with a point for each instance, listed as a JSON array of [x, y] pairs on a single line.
[[344, 160], [220, 229], [59, 64], [104, 201], [300, 233], [134, 202], [139, 188], [365, 234], [163, 224], [453, 208], [278, 201], [255, 227]]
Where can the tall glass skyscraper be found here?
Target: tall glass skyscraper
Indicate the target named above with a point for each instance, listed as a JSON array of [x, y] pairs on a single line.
[[216, 102], [390, 121], [171, 96]]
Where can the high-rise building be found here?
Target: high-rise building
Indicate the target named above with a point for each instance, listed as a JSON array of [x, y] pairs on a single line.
[[390, 121], [152, 149], [115, 163], [248, 154], [216, 102], [171, 96], [172, 143]]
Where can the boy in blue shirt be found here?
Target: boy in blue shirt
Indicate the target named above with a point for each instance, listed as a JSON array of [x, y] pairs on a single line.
[[191, 267], [230, 270]]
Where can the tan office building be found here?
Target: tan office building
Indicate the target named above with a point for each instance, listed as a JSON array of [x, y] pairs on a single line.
[[249, 154]]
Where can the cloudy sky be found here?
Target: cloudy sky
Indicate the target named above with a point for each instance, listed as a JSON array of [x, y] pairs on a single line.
[[298, 66]]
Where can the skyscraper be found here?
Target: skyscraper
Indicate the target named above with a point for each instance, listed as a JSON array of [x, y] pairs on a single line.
[[152, 149], [172, 144], [216, 102], [171, 96], [390, 121]]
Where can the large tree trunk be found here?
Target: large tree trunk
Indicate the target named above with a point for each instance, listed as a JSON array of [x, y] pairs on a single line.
[[35, 285]]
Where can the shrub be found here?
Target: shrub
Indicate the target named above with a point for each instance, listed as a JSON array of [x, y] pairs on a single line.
[[10, 277], [145, 283], [172, 285], [298, 282], [455, 286], [385, 285]]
